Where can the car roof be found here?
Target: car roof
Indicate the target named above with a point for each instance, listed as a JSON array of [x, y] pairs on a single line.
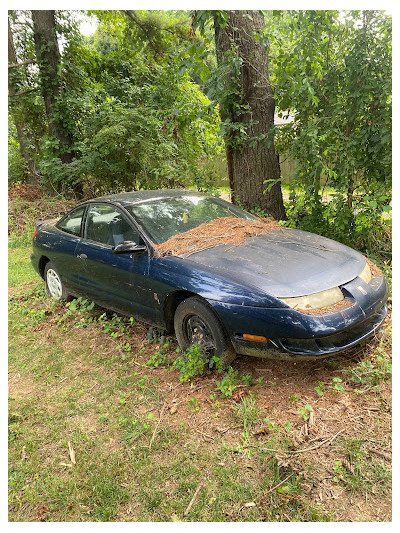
[[129, 198]]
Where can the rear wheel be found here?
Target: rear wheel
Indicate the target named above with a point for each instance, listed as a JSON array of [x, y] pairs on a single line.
[[196, 323], [54, 285]]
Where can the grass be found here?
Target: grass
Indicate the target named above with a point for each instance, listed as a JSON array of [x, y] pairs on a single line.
[[144, 439]]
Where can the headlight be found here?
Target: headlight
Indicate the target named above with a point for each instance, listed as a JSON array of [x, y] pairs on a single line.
[[316, 300], [366, 274]]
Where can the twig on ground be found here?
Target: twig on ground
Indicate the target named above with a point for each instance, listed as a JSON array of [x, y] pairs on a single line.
[[327, 441], [279, 484], [188, 508], [204, 435], [224, 430], [381, 454], [158, 423], [71, 453]]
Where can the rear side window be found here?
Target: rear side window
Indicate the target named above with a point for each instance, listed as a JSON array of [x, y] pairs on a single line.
[[106, 225], [72, 222]]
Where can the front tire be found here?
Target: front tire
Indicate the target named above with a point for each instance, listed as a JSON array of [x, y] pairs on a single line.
[[196, 322], [54, 285]]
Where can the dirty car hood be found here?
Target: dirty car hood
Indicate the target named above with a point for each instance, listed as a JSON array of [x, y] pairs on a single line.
[[285, 263]]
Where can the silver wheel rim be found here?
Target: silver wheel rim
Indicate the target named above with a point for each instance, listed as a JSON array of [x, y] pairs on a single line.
[[54, 284]]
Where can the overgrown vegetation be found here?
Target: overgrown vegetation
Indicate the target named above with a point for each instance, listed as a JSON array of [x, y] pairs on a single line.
[[136, 118], [332, 70]]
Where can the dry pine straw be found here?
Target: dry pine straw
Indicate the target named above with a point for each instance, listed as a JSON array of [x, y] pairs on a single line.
[[227, 230]]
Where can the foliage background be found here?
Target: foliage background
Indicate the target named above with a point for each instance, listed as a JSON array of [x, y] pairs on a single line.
[[141, 100]]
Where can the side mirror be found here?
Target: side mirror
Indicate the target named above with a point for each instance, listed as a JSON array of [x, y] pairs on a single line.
[[125, 247]]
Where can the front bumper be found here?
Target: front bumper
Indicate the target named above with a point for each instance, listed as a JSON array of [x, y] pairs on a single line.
[[293, 335]]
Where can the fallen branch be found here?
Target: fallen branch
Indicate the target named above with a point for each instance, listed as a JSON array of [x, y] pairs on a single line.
[[193, 499]]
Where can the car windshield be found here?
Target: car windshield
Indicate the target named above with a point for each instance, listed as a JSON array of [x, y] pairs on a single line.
[[165, 217]]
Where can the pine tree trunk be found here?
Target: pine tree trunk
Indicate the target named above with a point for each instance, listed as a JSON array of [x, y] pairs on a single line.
[[250, 161]]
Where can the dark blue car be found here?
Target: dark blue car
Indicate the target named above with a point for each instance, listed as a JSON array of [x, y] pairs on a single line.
[[286, 293]]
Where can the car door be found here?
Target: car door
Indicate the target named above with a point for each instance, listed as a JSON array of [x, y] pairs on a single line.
[[65, 237], [116, 281]]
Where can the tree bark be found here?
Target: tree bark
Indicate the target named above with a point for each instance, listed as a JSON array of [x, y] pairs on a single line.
[[252, 159], [15, 82], [49, 61]]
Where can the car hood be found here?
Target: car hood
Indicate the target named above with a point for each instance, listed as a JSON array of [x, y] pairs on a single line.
[[285, 263]]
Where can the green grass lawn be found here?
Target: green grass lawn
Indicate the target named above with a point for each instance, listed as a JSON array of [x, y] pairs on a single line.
[[97, 434]]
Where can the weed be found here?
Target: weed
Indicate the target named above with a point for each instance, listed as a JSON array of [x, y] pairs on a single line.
[[155, 335], [247, 380], [305, 412], [215, 404], [338, 469], [159, 358], [247, 413], [337, 385], [373, 371], [270, 425], [228, 383], [125, 347], [294, 398], [191, 364], [81, 304], [193, 405], [134, 429], [288, 426], [320, 388]]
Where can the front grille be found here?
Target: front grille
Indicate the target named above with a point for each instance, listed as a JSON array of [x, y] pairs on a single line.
[[337, 341]]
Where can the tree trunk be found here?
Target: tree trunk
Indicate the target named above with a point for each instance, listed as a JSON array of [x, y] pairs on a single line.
[[15, 82], [48, 59], [251, 159]]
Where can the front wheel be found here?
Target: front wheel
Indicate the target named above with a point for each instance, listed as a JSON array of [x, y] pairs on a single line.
[[54, 285], [196, 322]]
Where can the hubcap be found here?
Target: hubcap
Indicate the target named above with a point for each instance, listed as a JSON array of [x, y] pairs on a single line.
[[54, 284], [198, 332]]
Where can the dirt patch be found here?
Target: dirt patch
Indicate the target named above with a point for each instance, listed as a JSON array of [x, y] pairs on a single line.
[[226, 230]]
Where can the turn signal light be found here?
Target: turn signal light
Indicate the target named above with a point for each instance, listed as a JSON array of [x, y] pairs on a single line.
[[34, 234], [254, 337]]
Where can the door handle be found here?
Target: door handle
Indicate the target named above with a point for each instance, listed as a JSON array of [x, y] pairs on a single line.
[[82, 256]]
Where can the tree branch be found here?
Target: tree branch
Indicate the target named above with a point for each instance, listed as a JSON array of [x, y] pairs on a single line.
[[22, 64]]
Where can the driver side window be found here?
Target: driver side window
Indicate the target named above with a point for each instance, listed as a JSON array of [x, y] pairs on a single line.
[[106, 225]]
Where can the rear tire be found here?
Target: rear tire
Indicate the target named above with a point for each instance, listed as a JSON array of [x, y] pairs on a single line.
[[196, 322], [54, 285]]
